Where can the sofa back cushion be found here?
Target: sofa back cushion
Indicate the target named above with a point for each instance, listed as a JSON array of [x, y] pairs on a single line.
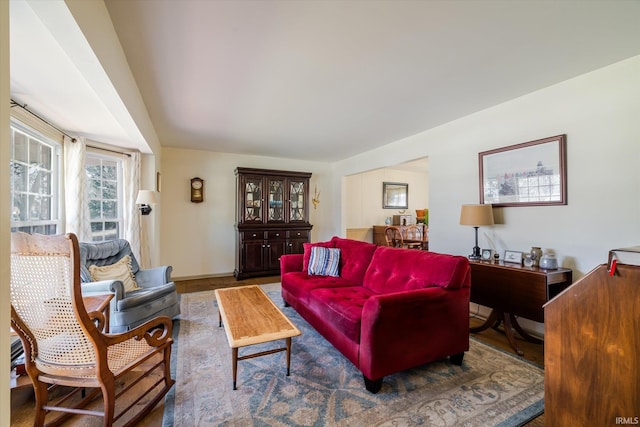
[[355, 257], [396, 270]]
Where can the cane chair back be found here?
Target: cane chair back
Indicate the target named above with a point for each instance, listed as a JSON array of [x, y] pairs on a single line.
[[63, 344]]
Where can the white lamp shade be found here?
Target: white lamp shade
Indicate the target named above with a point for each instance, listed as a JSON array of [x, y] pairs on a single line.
[[146, 197], [476, 215]]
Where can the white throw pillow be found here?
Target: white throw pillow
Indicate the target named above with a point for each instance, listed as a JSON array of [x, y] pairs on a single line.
[[121, 270]]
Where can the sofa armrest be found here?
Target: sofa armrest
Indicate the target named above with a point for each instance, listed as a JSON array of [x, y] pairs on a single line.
[[404, 329], [154, 276], [115, 287], [291, 262]]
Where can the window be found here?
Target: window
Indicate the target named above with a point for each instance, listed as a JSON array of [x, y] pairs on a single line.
[[35, 182], [104, 179]]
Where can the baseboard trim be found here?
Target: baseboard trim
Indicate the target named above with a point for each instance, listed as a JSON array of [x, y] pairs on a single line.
[[203, 276]]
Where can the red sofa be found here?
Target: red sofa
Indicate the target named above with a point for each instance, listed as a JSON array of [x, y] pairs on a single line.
[[389, 310]]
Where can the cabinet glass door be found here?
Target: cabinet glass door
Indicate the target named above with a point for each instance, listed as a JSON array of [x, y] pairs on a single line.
[[276, 200], [297, 204], [253, 200]]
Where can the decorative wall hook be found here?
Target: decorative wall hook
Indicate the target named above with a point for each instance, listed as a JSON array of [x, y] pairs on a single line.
[[316, 198]]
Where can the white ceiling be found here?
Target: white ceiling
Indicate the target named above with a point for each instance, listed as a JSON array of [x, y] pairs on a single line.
[[316, 80]]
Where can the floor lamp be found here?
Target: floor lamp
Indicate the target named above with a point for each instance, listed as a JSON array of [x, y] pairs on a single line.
[[475, 216]]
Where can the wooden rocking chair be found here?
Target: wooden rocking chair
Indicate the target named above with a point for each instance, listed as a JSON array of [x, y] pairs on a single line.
[[65, 346]]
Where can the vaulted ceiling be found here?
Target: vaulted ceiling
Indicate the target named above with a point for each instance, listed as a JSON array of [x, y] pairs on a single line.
[[318, 80]]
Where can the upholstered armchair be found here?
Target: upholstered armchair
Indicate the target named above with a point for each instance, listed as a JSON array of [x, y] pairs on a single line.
[[107, 267]]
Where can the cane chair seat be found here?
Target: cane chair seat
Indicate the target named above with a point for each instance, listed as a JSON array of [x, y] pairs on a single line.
[[63, 343]]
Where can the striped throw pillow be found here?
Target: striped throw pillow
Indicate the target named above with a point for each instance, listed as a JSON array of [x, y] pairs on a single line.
[[324, 261]]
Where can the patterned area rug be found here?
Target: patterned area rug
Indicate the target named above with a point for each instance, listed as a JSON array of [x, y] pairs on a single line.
[[491, 388]]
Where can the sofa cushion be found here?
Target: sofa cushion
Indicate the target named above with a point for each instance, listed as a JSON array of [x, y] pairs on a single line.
[[395, 270], [120, 270], [342, 307], [324, 261], [307, 251], [300, 284], [355, 257]]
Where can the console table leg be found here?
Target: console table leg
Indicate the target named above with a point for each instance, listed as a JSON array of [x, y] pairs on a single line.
[[491, 320], [510, 323], [508, 330], [522, 332]]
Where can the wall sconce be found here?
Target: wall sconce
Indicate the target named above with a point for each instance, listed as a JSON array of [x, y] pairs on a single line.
[[144, 199], [475, 216]]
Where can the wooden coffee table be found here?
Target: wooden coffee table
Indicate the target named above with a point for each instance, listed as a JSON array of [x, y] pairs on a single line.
[[249, 318]]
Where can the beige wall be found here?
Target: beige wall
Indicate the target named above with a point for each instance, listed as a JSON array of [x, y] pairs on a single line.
[[198, 239], [364, 195]]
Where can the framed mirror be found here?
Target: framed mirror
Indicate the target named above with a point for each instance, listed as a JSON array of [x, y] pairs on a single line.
[[395, 195]]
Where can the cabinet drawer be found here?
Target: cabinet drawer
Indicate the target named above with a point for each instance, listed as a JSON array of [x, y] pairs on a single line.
[[249, 236], [299, 234], [276, 234]]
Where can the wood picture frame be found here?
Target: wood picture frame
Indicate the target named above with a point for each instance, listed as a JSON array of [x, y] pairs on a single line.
[[532, 173], [395, 195]]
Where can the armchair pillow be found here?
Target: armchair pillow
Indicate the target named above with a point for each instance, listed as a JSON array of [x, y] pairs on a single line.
[[324, 261], [155, 294], [121, 270]]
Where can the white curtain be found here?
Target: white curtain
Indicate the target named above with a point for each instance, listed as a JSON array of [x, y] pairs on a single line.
[[132, 225], [76, 192]]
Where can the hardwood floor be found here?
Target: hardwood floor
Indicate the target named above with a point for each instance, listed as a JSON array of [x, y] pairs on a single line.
[[213, 283]]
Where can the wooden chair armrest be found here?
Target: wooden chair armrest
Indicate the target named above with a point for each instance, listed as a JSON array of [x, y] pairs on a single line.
[[98, 318], [156, 332]]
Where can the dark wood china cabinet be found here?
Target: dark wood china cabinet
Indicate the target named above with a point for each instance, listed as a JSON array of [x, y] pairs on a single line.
[[272, 219]]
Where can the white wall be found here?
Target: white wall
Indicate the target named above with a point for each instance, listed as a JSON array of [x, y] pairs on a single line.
[[364, 195], [599, 112], [199, 239]]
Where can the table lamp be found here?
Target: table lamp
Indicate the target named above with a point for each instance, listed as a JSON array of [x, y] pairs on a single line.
[[475, 216]]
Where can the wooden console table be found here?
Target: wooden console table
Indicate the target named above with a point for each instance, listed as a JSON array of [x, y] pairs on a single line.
[[513, 290]]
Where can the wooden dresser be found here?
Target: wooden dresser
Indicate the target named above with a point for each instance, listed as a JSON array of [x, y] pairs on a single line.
[[272, 219]]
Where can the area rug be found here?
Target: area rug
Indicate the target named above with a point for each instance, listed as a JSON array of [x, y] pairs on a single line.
[[491, 388]]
